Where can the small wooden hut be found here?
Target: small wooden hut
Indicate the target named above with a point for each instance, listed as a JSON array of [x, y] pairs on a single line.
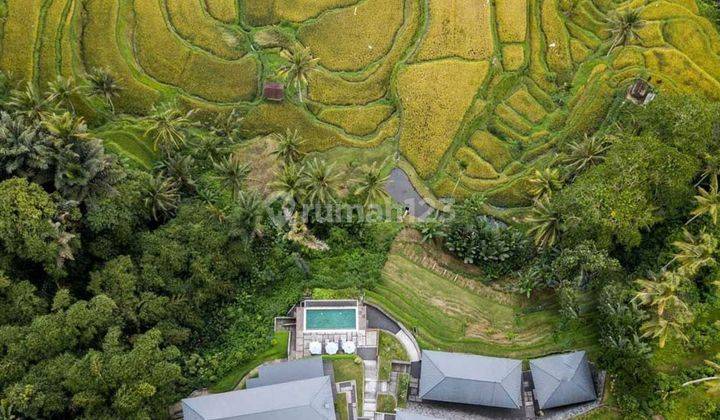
[[640, 92], [273, 91]]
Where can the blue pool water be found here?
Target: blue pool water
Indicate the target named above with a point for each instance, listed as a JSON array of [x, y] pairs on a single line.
[[330, 319]]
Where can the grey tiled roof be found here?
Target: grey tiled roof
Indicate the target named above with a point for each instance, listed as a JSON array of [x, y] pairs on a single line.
[[470, 379], [309, 399], [294, 370], [562, 379]]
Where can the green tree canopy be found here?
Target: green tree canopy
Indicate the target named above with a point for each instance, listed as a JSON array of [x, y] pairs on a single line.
[[642, 181]]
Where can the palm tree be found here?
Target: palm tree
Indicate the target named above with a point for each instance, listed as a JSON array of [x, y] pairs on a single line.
[[29, 103], [167, 127], [25, 149], [544, 223], [546, 182], [661, 293], [711, 382], [300, 64], [180, 169], [321, 182], [288, 184], [623, 27], [249, 215], [66, 126], [61, 91], [711, 168], [708, 202], [695, 252], [671, 314], [289, 146], [103, 84], [585, 154], [371, 185], [663, 328], [232, 173], [161, 196]]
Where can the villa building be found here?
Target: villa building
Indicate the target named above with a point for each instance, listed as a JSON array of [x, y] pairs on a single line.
[[309, 399], [470, 379], [562, 379], [441, 384]]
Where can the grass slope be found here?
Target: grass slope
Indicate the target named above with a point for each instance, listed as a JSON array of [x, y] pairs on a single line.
[[445, 315]]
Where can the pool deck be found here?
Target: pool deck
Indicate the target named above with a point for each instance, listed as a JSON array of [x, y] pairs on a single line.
[[362, 337]]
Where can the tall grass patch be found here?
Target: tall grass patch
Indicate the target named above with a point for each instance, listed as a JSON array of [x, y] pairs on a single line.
[[334, 89], [359, 121], [491, 149], [268, 12], [557, 40], [48, 58], [198, 28], [163, 55], [19, 33], [459, 28], [526, 105], [687, 77], [512, 20], [100, 49], [222, 10], [352, 38], [435, 96], [689, 37], [513, 56], [476, 167]]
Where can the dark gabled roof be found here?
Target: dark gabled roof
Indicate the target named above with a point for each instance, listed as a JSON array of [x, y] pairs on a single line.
[[310, 399], [562, 379], [294, 370], [470, 379]]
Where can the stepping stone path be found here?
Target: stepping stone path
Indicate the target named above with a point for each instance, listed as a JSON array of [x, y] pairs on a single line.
[[370, 368]]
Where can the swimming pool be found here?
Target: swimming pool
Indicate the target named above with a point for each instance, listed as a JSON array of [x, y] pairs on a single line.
[[330, 319]]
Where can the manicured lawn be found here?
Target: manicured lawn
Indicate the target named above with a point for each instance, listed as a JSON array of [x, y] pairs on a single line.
[[386, 403], [390, 349], [277, 351], [446, 316], [345, 369], [341, 410]]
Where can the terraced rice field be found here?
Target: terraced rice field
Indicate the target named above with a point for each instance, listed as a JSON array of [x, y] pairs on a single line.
[[473, 94]]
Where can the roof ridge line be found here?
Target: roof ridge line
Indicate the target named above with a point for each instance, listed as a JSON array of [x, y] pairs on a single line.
[[508, 394], [440, 381], [509, 373], [327, 378], [552, 376]]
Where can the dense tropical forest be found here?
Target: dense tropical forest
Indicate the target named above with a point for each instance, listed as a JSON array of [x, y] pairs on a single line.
[[156, 212]]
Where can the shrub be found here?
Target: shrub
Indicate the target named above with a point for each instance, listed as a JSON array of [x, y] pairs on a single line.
[[477, 240]]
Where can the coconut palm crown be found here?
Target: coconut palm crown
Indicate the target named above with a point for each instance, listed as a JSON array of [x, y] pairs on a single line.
[[300, 63]]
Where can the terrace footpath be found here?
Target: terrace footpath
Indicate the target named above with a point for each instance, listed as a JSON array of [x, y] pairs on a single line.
[[370, 372]]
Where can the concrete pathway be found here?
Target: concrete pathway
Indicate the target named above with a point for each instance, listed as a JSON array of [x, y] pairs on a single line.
[[409, 345], [370, 369]]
